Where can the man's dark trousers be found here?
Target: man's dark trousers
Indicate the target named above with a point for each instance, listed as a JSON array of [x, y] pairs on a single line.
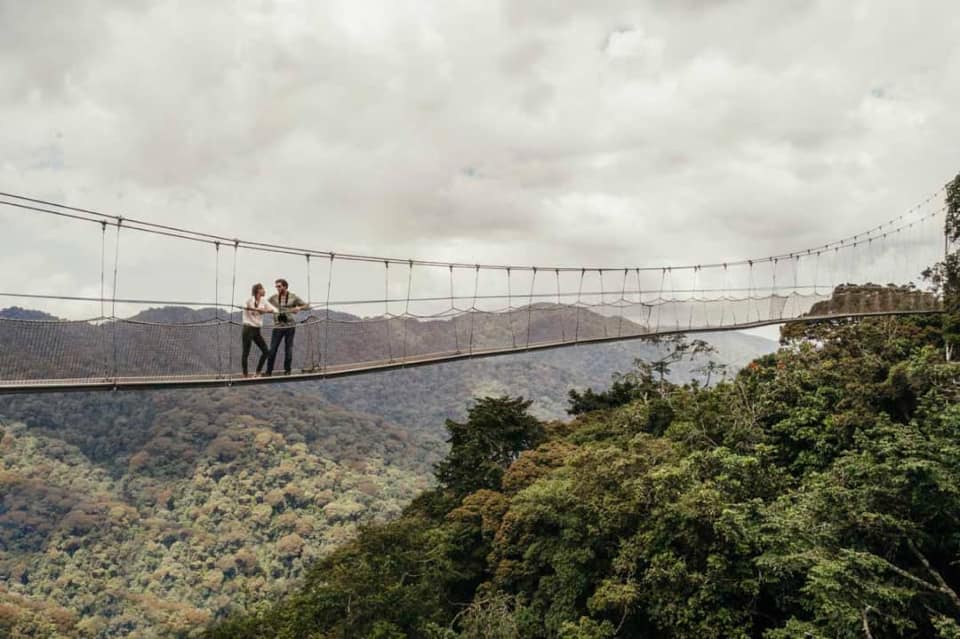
[[281, 335]]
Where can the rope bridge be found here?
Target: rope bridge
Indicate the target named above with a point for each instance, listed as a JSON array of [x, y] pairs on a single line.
[[377, 313]]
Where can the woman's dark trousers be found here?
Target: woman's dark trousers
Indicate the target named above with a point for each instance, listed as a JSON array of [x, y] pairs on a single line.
[[252, 334]]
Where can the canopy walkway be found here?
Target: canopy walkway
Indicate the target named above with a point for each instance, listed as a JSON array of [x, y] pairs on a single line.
[[380, 313]]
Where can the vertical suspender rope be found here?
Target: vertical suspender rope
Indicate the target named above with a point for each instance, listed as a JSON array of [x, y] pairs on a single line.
[[622, 303], [473, 308], [603, 296], [673, 298], [837, 274], [310, 361], [216, 307], [324, 361], [774, 291], [816, 276], [533, 282], [576, 336], [103, 311], [693, 295], [453, 313], [796, 291], [406, 309], [706, 306], [660, 302], [386, 308], [892, 263], [233, 300], [103, 250], [723, 299], [563, 328], [848, 278], [113, 305], [750, 292], [864, 278], [646, 321], [513, 335]]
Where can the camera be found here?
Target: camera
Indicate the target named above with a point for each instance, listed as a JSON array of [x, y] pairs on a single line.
[[283, 318]]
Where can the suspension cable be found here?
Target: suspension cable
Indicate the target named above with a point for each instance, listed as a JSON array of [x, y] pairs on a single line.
[[187, 234]]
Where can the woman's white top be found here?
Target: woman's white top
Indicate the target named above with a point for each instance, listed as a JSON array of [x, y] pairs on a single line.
[[255, 318]]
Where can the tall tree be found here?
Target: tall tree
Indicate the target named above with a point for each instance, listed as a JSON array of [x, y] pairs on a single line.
[[945, 275], [497, 430]]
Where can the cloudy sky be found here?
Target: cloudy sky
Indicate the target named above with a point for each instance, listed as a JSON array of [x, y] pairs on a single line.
[[607, 132]]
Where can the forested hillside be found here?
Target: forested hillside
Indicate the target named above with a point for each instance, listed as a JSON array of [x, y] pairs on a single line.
[[149, 514], [816, 494], [132, 514]]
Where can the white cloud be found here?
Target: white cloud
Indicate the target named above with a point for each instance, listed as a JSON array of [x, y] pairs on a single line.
[[554, 132]]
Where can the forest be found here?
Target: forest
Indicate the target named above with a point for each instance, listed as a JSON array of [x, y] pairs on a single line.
[[149, 514], [144, 515], [816, 493]]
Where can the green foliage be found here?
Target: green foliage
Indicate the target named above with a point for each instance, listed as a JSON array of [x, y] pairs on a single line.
[[945, 275], [639, 383], [153, 514], [815, 494], [481, 449], [624, 390]]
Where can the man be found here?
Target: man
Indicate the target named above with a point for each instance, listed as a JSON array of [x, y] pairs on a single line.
[[284, 325]]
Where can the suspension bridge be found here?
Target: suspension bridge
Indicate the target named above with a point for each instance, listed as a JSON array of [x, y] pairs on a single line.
[[370, 313]]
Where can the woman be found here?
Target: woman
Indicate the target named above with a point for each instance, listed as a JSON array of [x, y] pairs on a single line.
[[253, 312]]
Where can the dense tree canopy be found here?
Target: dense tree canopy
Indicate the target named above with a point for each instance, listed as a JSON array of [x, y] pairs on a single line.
[[815, 494], [496, 431], [945, 275]]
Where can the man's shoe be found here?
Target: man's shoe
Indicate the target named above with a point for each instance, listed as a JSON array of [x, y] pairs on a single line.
[[268, 374]]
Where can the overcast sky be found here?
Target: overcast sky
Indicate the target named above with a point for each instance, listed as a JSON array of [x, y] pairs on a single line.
[[530, 132]]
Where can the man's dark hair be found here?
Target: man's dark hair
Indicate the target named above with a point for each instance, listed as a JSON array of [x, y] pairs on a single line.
[[280, 280]]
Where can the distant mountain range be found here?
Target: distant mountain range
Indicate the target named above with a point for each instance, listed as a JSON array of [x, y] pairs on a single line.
[[182, 341], [163, 509]]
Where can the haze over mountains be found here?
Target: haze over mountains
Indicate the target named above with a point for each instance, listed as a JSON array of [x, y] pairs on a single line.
[[183, 341]]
